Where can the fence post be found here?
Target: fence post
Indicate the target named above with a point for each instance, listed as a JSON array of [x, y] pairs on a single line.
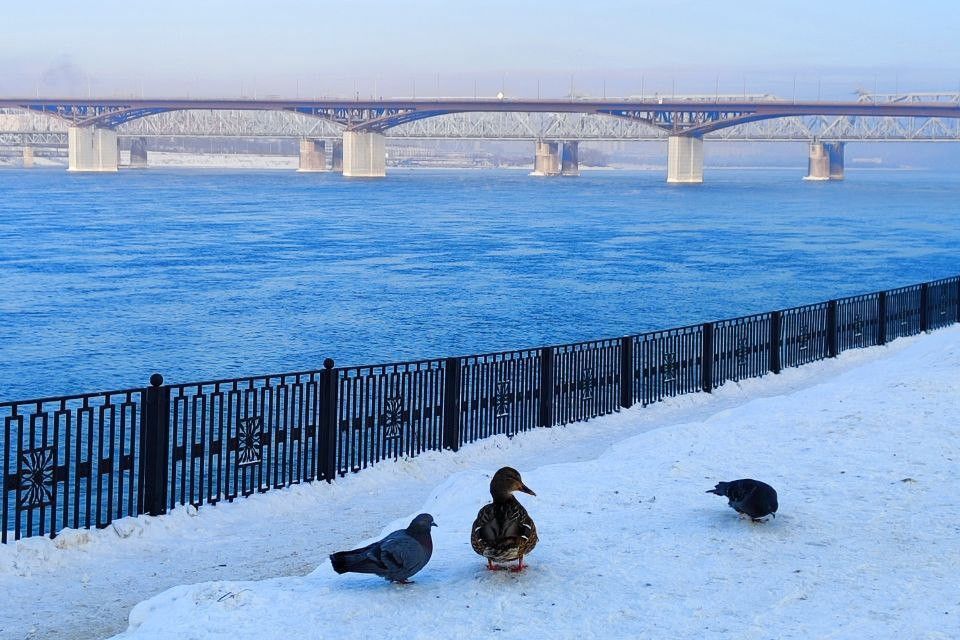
[[546, 386], [958, 300], [924, 312], [882, 318], [329, 409], [626, 372], [451, 405], [776, 322], [706, 359], [832, 337], [154, 447]]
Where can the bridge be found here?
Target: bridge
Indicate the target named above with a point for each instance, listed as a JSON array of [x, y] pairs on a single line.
[[359, 127]]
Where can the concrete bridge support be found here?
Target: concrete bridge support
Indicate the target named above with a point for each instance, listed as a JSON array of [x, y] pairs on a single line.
[[28, 157], [825, 161], [364, 154], [92, 149], [313, 156], [835, 152], [570, 159], [685, 160], [138, 153], [336, 156], [546, 162]]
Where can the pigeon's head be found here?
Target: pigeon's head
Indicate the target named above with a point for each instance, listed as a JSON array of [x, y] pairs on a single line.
[[506, 481], [422, 523], [720, 489]]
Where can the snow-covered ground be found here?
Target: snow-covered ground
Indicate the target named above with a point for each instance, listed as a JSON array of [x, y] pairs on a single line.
[[863, 451]]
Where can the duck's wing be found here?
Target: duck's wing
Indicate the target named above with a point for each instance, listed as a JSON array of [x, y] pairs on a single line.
[[500, 525], [527, 532], [485, 529]]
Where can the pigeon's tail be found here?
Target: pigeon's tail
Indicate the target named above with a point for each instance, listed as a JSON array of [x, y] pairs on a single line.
[[357, 561], [340, 561], [720, 489]]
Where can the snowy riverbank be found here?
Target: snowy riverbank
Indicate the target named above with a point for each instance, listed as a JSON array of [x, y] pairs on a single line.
[[863, 450]]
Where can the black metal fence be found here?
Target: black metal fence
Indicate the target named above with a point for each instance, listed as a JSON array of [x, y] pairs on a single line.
[[85, 460]]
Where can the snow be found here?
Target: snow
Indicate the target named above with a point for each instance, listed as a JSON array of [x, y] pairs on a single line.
[[862, 449]]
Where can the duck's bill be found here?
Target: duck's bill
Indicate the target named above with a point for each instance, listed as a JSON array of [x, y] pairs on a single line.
[[526, 489]]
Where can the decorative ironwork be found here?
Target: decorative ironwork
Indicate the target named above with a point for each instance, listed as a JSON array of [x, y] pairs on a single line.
[[586, 384], [742, 351], [249, 441], [670, 366], [857, 326], [393, 417], [944, 303], [502, 399], [36, 478], [803, 339]]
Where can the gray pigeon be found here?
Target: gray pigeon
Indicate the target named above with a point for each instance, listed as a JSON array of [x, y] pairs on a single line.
[[397, 557], [749, 497]]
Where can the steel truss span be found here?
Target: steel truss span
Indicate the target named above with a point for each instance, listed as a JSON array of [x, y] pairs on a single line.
[[18, 127]]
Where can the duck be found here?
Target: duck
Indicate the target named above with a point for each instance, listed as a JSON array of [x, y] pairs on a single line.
[[749, 497], [504, 531]]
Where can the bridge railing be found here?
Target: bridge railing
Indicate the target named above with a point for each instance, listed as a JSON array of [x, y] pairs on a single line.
[[85, 460]]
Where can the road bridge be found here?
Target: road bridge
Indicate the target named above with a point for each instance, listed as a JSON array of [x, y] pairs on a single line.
[[362, 125]]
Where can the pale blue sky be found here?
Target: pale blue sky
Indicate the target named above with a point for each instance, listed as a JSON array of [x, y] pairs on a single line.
[[219, 47]]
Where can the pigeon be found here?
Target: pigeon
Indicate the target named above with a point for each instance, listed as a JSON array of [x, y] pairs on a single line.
[[749, 497], [397, 557], [503, 531]]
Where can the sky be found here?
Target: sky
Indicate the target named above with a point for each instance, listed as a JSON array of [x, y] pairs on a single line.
[[431, 47]]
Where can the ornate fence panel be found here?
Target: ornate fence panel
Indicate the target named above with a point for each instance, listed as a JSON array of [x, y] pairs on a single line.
[[858, 321], [388, 411], [903, 311], [741, 348], [667, 363], [499, 394], [586, 380], [69, 462], [231, 438], [943, 303], [803, 336]]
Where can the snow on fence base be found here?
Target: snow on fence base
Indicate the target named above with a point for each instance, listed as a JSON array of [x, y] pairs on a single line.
[[85, 460]]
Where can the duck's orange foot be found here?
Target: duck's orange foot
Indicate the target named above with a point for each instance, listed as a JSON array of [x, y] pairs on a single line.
[[493, 567], [520, 567]]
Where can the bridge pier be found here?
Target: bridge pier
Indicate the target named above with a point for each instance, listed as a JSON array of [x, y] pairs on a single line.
[[92, 149], [825, 161], [546, 161], [364, 154], [336, 156], [313, 156], [138, 153], [28, 157], [570, 158], [685, 160]]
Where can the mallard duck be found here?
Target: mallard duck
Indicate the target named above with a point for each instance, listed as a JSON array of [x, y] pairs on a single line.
[[749, 497], [504, 531]]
